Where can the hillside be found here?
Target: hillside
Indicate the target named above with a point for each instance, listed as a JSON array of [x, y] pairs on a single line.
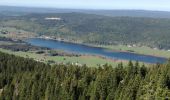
[[96, 29], [9, 10], [25, 79]]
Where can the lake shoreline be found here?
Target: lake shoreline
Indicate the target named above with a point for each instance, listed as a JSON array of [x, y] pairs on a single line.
[[90, 50], [96, 46]]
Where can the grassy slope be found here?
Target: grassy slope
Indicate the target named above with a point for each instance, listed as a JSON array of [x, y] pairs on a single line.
[[88, 60], [139, 50], [16, 33], [91, 60], [102, 29]]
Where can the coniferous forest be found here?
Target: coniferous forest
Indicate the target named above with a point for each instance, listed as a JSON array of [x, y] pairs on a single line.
[[93, 29], [26, 79]]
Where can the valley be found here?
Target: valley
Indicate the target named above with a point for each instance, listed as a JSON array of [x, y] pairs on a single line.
[[88, 59], [84, 54], [16, 34]]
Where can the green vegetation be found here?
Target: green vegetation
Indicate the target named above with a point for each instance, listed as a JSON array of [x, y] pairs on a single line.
[[15, 33], [110, 32], [28, 75], [1, 35], [139, 50], [26, 79], [88, 60], [89, 28]]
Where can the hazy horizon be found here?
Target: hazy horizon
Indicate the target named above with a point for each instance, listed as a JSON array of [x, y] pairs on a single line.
[[159, 5]]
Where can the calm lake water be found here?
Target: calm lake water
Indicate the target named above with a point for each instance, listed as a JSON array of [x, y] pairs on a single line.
[[82, 49]]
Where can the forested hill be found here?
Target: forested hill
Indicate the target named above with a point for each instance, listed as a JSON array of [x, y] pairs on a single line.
[[9, 10], [25, 79], [154, 32]]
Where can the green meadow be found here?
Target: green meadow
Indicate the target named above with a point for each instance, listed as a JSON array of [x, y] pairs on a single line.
[[92, 61], [139, 50]]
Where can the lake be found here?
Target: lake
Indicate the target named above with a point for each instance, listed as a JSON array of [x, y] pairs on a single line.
[[83, 49]]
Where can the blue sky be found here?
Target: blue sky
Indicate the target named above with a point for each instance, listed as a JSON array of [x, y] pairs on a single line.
[[93, 4]]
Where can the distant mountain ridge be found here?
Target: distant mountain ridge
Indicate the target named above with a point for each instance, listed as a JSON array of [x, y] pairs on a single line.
[[112, 13]]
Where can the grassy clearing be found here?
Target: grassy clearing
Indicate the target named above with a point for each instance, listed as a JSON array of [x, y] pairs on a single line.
[[2, 35], [139, 50], [92, 61], [16, 33]]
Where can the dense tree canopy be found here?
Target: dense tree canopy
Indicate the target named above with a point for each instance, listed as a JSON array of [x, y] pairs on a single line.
[[95, 28], [26, 79]]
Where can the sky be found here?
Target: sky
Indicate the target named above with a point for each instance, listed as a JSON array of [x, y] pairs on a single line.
[[163, 5]]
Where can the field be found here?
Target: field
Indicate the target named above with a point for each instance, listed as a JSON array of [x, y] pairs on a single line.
[[92, 61], [16, 33], [87, 59], [139, 50]]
